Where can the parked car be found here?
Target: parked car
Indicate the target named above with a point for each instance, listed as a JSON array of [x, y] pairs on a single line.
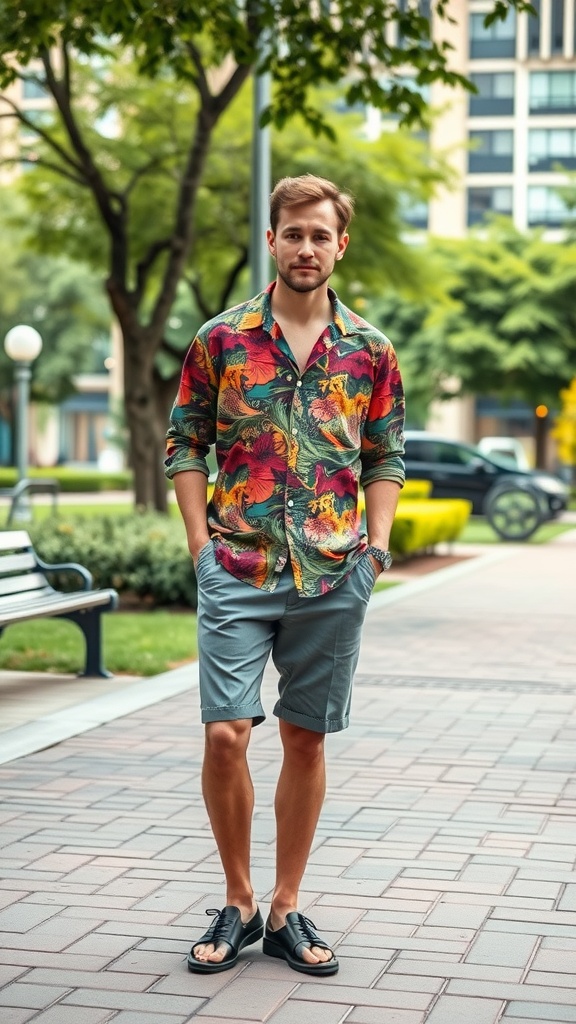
[[504, 449], [458, 470]]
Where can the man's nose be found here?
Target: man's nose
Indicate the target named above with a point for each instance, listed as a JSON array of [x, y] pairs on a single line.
[[306, 248]]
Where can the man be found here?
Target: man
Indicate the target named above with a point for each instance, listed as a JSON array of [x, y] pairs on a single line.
[[303, 400]]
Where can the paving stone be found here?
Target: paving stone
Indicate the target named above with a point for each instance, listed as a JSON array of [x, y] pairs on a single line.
[[16, 1015], [546, 1013], [73, 1015], [33, 996], [496, 948], [455, 1010], [21, 917], [243, 1000], [298, 1012], [373, 1015]]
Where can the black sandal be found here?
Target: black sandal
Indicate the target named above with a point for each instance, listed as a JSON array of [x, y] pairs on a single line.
[[287, 942], [227, 929]]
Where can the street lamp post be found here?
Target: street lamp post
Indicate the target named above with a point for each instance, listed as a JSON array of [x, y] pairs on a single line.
[[23, 344]]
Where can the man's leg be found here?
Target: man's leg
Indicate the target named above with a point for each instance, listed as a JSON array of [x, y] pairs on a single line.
[[299, 798], [229, 798], [315, 651]]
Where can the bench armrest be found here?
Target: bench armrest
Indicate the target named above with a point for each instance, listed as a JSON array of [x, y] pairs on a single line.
[[81, 570]]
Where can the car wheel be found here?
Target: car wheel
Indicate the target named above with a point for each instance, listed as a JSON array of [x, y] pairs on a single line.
[[515, 510]]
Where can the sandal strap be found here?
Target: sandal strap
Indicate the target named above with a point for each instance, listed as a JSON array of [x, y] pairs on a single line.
[[310, 938], [215, 933]]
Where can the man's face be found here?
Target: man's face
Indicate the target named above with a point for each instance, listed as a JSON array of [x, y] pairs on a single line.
[[307, 244]]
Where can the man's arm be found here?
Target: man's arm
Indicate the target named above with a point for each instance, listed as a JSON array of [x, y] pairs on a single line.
[[191, 488], [381, 499]]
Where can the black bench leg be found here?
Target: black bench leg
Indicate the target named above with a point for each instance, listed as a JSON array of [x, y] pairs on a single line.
[[90, 624]]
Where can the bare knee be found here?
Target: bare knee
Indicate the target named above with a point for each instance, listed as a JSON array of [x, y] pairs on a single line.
[[226, 742], [302, 743]]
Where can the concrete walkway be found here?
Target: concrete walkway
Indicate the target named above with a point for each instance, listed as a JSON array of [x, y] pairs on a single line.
[[444, 864]]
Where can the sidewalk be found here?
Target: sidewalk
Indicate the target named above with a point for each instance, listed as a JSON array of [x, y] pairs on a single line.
[[444, 864]]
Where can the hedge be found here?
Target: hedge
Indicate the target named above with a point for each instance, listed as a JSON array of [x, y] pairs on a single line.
[[141, 554], [421, 522], [73, 480]]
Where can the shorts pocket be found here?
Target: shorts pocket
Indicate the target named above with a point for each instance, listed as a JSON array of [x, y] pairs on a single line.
[[204, 551]]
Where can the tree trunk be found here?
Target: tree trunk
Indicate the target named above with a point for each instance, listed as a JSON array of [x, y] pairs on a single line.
[[146, 432]]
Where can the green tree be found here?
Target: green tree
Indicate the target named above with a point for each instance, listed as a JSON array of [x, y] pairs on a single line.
[[64, 301], [504, 323], [211, 49]]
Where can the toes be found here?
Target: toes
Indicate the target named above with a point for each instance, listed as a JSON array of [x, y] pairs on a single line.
[[203, 953], [316, 955], [217, 955]]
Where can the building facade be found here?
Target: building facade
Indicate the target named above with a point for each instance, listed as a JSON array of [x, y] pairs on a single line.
[[513, 141]]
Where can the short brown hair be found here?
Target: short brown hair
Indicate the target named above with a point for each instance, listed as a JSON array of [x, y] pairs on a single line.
[[308, 188]]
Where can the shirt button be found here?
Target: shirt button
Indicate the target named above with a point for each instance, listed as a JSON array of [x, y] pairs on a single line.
[[290, 503], [294, 430], [289, 377], [298, 383]]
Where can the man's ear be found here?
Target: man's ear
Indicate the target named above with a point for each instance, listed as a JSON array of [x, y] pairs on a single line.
[[342, 245], [271, 240]]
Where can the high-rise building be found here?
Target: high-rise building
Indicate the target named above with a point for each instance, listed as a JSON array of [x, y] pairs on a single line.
[[513, 141]]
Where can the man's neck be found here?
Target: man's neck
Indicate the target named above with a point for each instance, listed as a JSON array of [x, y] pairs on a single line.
[[300, 307]]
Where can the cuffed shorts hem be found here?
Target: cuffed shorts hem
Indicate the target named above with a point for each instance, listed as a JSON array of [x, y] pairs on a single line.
[[234, 714], [307, 722]]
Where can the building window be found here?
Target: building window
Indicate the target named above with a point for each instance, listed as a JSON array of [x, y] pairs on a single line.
[[534, 30], [33, 90], [553, 92], [41, 118], [495, 95], [496, 40], [545, 207], [484, 201], [492, 151], [550, 146], [414, 214], [557, 30]]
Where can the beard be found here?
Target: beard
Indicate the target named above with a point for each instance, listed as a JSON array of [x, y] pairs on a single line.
[[291, 280]]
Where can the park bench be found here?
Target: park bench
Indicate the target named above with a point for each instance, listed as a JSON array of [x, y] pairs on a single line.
[[21, 491], [26, 594]]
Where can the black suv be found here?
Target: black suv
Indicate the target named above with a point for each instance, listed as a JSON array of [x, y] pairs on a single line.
[[458, 470]]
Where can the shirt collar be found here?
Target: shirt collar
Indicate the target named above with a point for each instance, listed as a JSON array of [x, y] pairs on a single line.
[[258, 313]]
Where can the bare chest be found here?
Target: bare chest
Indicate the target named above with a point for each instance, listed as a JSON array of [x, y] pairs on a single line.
[[302, 340]]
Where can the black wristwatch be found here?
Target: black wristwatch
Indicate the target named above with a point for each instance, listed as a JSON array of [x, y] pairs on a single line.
[[384, 557]]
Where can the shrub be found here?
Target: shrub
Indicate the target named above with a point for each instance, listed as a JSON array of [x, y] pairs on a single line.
[[141, 553], [73, 480]]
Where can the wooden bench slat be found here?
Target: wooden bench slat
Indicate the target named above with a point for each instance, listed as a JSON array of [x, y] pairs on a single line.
[[20, 584], [12, 540], [56, 604], [17, 563]]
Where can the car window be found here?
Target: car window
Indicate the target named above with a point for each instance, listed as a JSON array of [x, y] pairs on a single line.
[[419, 451], [455, 454]]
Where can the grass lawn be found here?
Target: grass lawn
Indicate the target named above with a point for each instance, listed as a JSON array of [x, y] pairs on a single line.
[[135, 643], [479, 531]]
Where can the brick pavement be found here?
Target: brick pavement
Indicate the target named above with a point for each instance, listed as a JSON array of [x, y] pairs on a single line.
[[444, 864]]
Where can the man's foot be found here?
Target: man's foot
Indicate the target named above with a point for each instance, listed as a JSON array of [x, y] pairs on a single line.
[[297, 943], [218, 949]]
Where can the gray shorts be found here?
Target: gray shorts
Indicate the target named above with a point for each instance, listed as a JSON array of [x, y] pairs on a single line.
[[314, 643]]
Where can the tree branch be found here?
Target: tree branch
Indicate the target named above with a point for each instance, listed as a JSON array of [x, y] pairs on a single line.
[[112, 205], [42, 133], [208, 116], [146, 263]]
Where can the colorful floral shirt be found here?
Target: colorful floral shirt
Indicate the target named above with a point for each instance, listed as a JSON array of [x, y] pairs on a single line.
[[292, 449]]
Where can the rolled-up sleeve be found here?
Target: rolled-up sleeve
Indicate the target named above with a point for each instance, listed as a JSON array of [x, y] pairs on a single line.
[[193, 418], [383, 439]]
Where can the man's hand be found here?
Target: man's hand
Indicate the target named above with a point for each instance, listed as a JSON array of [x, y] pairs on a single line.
[[376, 566]]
